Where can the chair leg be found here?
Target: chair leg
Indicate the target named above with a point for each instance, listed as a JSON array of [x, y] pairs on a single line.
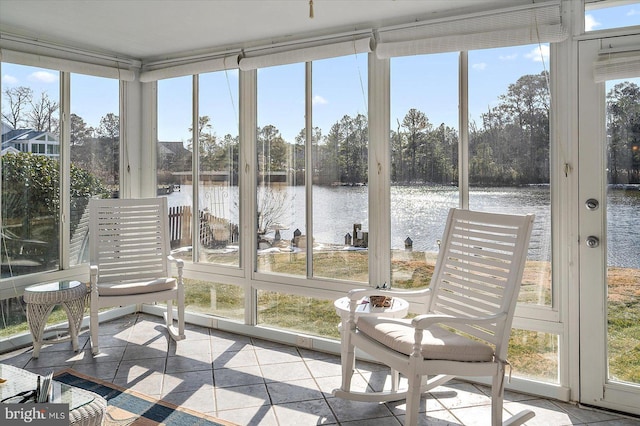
[[175, 333], [348, 360], [169, 314], [395, 380], [181, 319], [497, 396], [93, 326], [413, 400]]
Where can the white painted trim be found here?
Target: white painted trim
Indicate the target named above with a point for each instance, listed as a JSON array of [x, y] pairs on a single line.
[[144, 164], [65, 165], [379, 172], [248, 81]]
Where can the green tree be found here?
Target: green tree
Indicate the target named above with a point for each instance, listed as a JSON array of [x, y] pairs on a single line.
[[623, 132], [109, 147], [31, 197], [527, 105], [517, 133], [416, 127], [81, 142], [272, 150]]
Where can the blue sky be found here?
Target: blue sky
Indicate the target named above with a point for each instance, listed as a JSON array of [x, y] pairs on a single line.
[[428, 83]]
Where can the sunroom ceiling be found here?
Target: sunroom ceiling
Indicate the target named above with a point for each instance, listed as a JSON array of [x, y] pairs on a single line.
[[154, 30]]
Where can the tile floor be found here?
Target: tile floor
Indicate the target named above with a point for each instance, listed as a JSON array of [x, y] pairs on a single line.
[[255, 382]]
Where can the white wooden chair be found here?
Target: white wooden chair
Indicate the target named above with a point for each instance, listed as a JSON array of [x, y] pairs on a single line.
[[129, 259], [466, 325]]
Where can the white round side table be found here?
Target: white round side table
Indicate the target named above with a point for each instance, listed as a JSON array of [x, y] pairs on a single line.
[[40, 300], [399, 308]]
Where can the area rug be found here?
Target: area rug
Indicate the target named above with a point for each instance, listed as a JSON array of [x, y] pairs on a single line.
[[127, 407]]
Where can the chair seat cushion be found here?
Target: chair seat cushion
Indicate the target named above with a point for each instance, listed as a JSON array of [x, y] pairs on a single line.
[[138, 287], [437, 343]]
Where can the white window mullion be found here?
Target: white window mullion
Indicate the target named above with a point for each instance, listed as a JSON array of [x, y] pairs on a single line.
[[65, 168], [379, 172], [145, 178], [248, 186], [463, 131], [195, 169], [308, 158]]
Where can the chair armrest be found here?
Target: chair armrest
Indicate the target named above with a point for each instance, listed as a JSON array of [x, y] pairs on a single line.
[[427, 320], [179, 262], [93, 277], [179, 265]]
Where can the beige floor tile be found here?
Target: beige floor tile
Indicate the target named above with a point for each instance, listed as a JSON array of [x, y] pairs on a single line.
[[256, 382], [251, 416]]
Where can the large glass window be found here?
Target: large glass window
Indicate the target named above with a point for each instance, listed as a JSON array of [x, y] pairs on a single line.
[[609, 14], [280, 197], [174, 160], [509, 172], [340, 169], [424, 162], [30, 178], [95, 153], [219, 212], [623, 236], [212, 298], [509, 149]]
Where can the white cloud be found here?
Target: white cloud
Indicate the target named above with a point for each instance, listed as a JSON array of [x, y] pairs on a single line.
[[319, 100], [479, 66], [538, 54], [633, 12], [9, 79], [508, 57], [590, 22], [43, 76]]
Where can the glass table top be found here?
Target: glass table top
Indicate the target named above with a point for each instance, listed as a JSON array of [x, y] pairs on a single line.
[[54, 286], [19, 380]]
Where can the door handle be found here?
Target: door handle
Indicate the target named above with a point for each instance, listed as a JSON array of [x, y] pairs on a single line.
[[592, 241]]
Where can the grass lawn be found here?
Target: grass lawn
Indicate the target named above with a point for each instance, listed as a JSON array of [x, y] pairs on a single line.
[[532, 354]]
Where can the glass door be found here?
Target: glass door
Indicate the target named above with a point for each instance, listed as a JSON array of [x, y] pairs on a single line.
[[609, 194]]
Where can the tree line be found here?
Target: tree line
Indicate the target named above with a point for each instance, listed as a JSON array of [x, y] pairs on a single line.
[[508, 145]]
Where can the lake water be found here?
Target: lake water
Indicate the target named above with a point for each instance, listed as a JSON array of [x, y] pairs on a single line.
[[419, 212]]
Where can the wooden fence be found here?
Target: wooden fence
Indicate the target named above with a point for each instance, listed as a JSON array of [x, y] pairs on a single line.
[[214, 231]]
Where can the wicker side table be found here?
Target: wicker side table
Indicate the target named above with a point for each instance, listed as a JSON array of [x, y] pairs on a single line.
[[40, 300]]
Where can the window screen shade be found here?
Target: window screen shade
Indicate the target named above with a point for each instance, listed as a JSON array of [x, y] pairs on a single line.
[[537, 23], [613, 67], [67, 65], [198, 67], [314, 53]]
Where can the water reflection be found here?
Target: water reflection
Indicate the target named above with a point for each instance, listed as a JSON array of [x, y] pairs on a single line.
[[419, 212]]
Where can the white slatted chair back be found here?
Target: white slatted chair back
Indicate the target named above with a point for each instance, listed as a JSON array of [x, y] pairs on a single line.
[[129, 239], [474, 274]]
